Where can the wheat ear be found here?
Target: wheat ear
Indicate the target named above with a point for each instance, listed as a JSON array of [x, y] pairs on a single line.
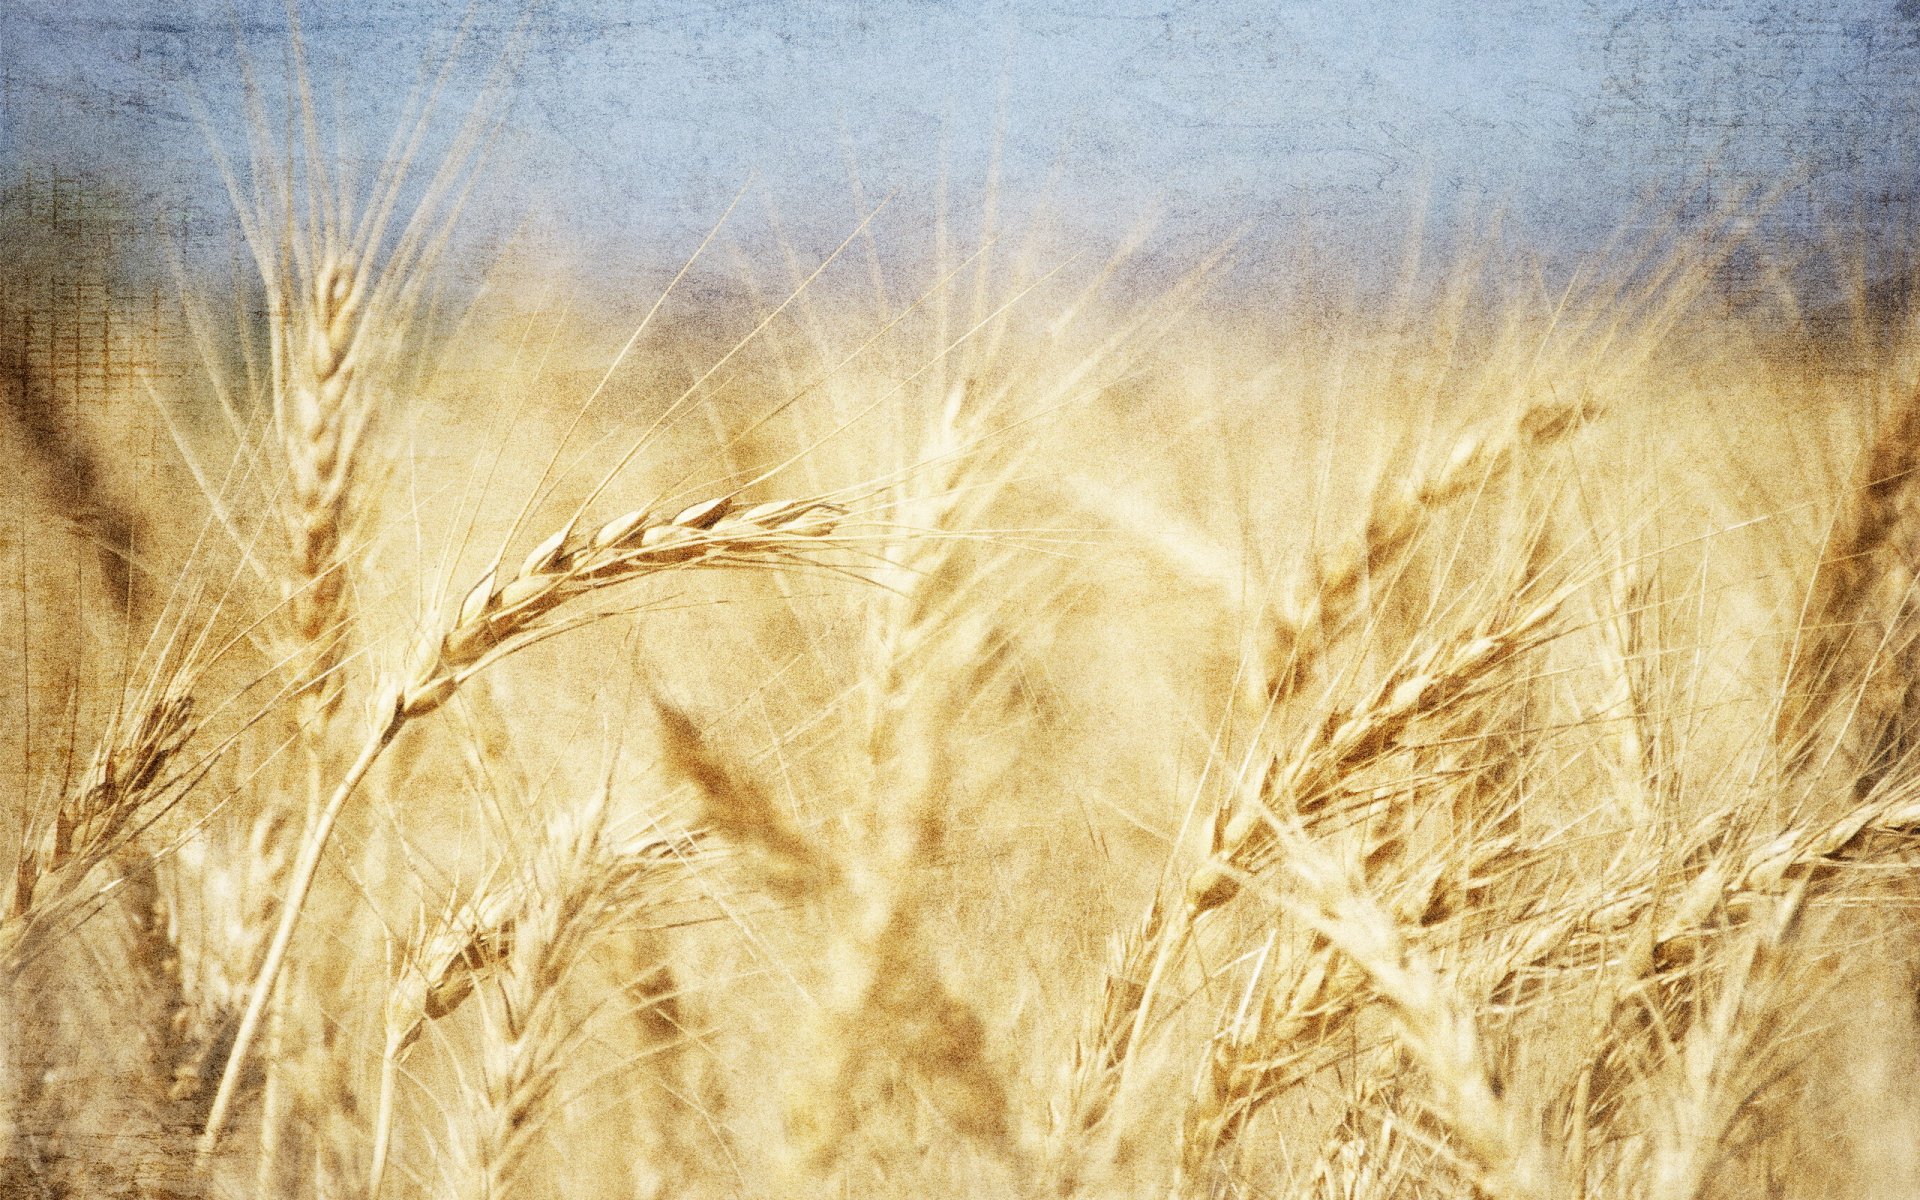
[[1328, 599], [1735, 1053], [1833, 652], [1099, 1054], [1678, 932], [128, 777], [321, 414], [891, 1008], [1290, 1012], [322, 425], [478, 941], [577, 887], [1308, 782], [1430, 1018], [736, 807]]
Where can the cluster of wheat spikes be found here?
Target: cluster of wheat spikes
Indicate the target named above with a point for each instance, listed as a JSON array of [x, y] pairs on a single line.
[[970, 819]]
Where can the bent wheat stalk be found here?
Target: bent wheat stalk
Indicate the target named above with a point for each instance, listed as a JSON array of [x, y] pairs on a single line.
[[500, 616]]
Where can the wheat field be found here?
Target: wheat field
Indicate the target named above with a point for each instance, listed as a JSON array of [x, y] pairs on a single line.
[[948, 716]]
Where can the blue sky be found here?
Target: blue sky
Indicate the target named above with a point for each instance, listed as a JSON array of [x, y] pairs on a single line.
[[633, 123]]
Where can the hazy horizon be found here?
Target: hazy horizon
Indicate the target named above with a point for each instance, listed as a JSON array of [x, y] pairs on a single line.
[[631, 126]]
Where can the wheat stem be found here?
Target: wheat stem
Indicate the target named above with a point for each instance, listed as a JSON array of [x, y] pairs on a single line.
[[301, 881]]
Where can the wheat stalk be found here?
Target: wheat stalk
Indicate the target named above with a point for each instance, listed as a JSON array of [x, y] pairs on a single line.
[[322, 414], [502, 614]]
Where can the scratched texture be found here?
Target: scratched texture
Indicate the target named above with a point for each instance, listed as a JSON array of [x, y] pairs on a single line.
[[1310, 132]]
